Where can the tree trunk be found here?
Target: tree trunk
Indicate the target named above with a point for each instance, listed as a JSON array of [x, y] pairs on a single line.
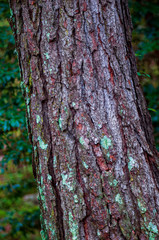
[[94, 156]]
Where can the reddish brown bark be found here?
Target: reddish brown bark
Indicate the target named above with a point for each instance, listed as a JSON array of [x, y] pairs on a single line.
[[94, 156]]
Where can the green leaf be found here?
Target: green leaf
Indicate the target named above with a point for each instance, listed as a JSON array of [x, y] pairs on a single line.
[[139, 74], [143, 74], [138, 55], [151, 109]]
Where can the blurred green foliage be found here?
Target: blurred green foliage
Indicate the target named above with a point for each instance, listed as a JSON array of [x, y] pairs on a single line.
[[14, 138], [19, 216], [145, 18], [19, 212]]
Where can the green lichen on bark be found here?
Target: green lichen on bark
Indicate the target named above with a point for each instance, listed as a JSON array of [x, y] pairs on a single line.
[[42, 144], [106, 142], [118, 199], [73, 227]]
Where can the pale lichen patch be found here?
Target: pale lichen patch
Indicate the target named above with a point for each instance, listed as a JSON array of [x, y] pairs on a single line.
[[152, 228], [115, 182], [73, 104], [98, 233], [84, 142], [47, 55], [118, 199], [73, 227], [75, 198], [141, 206], [60, 122], [42, 144], [27, 89], [37, 119], [152, 236], [43, 235], [85, 165], [66, 181], [106, 142], [55, 161], [131, 163], [81, 140], [99, 126], [66, 110], [48, 36], [49, 177]]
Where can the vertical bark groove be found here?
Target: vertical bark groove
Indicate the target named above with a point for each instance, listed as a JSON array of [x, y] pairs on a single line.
[[58, 199]]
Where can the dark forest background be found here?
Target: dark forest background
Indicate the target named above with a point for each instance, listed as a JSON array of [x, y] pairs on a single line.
[[19, 210]]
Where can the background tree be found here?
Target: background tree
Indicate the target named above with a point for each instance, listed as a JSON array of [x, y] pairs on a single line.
[[92, 136]]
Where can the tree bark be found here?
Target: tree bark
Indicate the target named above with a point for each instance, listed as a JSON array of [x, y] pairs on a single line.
[[95, 161]]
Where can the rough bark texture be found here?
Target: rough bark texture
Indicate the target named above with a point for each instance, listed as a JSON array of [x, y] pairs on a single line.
[[94, 156]]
